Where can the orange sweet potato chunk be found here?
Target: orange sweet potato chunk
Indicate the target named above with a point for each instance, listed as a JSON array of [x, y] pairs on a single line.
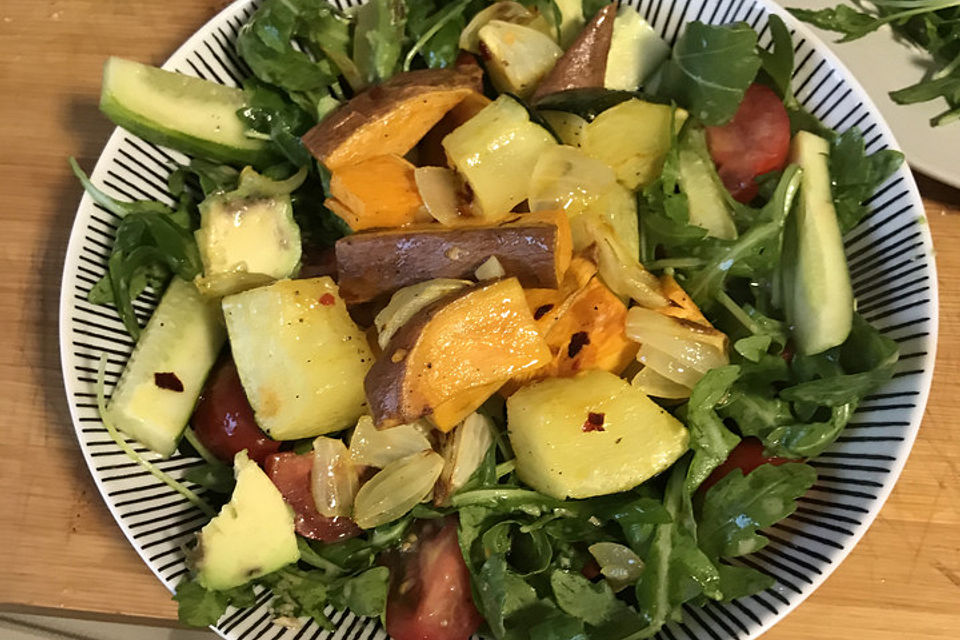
[[453, 355], [377, 193], [392, 117], [681, 304], [583, 324]]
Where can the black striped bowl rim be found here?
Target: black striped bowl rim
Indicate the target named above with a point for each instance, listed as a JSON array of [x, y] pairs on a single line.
[[891, 263]]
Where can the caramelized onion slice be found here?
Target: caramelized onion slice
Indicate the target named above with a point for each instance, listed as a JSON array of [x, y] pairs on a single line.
[[397, 489], [374, 447], [334, 480]]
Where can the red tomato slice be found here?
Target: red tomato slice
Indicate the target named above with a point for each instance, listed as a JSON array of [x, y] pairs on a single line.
[[430, 597], [746, 456], [755, 142], [224, 419], [291, 473]]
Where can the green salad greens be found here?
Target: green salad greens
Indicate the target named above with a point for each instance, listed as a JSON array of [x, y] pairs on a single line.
[[617, 566], [933, 25]]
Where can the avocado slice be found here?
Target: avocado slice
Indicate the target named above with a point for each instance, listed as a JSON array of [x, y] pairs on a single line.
[[253, 535], [188, 114], [636, 51], [818, 297], [247, 237]]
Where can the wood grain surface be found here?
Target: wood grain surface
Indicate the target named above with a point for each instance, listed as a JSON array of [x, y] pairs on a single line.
[[60, 550]]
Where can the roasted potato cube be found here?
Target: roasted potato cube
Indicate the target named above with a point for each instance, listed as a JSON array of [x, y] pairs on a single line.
[[300, 357], [590, 435]]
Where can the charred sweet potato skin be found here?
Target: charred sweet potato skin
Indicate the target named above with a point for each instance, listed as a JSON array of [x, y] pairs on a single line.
[[583, 324], [392, 117], [681, 304], [455, 353], [584, 64], [533, 247], [379, 192]]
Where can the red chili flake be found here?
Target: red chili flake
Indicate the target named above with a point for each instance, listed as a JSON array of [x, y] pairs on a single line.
[[542, 311], [484, 51], [577, 341], [327, 299], [168, 381], [594, 422]]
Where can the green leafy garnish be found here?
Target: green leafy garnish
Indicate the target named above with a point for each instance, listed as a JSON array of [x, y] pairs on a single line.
[[710, 70], [201, 607], [739, 505], [933, 25]]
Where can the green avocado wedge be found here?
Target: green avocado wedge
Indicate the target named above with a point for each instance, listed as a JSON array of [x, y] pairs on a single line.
[[194, 116], [817, 290]]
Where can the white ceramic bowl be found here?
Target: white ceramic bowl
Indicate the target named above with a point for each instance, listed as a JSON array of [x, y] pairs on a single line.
[[891, 263]]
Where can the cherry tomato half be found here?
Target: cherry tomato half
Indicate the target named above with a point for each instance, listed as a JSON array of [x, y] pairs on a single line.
[[430, 597], [224, 420], [755, 142], [746, 456], [290, 472]]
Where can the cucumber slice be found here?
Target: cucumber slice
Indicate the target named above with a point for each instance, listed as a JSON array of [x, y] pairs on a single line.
[[162, 381], [190, 115], [708, 207], [816, 281]]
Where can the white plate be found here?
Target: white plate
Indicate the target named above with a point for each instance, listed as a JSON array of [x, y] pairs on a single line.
[[883, 63], [892, 268]]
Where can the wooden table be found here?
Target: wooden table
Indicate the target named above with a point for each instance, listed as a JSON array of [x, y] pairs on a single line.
[[61, 552]]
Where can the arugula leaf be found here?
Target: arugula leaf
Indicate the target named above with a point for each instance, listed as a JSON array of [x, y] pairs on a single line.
[[500, 593], [299, 593], [740, 582], [271, 113], [364, 594], [739, 505], [710, 70], [930, 24], [710, 440], [857, 175], [434, 27], [756, 253], [209, 176], [218, 478], [305, 72], [808, 439], [676, 570], [378, 39], [152, 242], [778, 62], [756, 412], [201, 607], [842, 19], [594, 603]]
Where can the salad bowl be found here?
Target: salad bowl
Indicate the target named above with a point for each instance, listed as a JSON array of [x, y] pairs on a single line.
[[892, 270]]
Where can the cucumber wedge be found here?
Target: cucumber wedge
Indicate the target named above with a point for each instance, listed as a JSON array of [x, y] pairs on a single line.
[[708, 209], [817, 293], [190, 115], [157, 391]]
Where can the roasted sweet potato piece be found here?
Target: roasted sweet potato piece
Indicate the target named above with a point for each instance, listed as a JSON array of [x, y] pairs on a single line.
[[681, 304], [584, 64], [391, 117], [584, 331], [533, 247], [452, 355], [378, 192]]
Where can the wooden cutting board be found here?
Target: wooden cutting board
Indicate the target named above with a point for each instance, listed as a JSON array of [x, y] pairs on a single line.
[[60, 550]]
